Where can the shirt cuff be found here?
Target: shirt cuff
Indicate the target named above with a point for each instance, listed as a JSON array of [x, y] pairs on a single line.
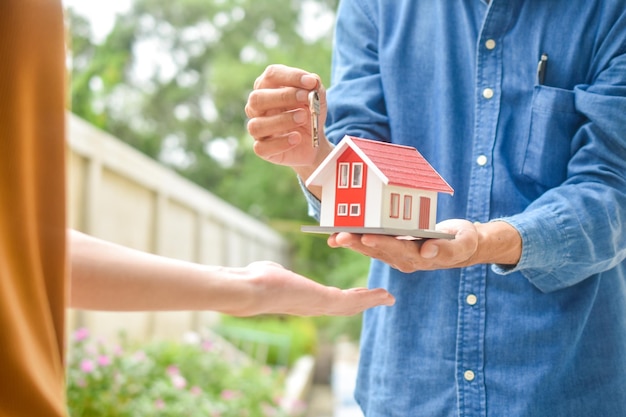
[[542, 251], [315, 205]]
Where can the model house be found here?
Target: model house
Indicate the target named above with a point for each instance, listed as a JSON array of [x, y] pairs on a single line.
[[376, 187]]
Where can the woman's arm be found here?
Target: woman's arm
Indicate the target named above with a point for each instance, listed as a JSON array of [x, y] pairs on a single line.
[[106, 276]]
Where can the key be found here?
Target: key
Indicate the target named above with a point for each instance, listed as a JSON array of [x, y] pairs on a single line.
[[314, 108]]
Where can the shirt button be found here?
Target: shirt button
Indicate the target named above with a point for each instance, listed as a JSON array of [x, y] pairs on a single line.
[[490, 44], [469, 375], [471, 299], [481, 160], [487, 93]]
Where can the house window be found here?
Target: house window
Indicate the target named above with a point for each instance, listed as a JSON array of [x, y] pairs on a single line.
[[344, 171], [357, 174], [408, 207], [394, 211], [355, 210], [342, 209]]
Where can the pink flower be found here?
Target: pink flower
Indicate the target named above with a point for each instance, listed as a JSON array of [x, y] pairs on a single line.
[[195, 390], [159, 404], [179, 381], [103, 360], [207, 346], [229, 394], [172, 370], [87, 366], [81, 334]]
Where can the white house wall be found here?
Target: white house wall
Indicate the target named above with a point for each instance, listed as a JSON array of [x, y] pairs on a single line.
[[373, 200], [327, 215], [388, 221]]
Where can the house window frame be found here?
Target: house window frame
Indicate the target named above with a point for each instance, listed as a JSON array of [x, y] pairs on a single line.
[[394, 205], [407, 207], [357, 179], [355, 210], [343, 176], [342, 209]]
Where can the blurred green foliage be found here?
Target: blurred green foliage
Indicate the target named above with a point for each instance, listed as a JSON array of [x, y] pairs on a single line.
[[172, 79], [298, 333]]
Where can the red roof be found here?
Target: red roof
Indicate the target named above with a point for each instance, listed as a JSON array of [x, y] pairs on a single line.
[[403, 165]]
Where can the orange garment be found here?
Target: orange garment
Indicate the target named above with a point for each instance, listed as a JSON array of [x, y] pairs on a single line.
[[33, 264]]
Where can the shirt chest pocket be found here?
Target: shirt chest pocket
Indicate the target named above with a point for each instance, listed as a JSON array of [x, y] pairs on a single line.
[[553, 123]]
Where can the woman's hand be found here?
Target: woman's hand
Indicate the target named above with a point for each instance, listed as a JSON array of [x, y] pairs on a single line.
[[275, 289]]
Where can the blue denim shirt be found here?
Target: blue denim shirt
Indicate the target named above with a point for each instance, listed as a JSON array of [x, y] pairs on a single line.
[[458, 80]]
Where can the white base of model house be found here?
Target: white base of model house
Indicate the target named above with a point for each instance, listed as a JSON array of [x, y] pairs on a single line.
[[402, 234]]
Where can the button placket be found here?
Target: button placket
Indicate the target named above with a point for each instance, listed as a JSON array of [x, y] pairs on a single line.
[[473, 282]]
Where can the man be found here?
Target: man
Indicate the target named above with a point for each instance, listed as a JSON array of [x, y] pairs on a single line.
[[34, 243], [524, 312]]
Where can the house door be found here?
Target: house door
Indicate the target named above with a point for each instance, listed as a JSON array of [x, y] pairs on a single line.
[[350, 190], [424, 217]]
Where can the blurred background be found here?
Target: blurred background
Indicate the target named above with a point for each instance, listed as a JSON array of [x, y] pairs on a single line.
[[160, 160]]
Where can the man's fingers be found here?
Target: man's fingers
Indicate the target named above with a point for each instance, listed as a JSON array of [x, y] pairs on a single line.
[[410, 256], [277, 75], [452, 252], [263, 127], [272, 147], [284, 98]]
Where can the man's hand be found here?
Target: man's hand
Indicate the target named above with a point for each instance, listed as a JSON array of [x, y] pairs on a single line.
[[280, 121], [495, 242]]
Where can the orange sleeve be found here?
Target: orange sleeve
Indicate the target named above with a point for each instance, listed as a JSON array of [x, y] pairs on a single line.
[[33, 280]]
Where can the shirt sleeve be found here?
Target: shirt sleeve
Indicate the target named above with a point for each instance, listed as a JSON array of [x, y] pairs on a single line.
[[578, 229], [356, 67], [314, 204]]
